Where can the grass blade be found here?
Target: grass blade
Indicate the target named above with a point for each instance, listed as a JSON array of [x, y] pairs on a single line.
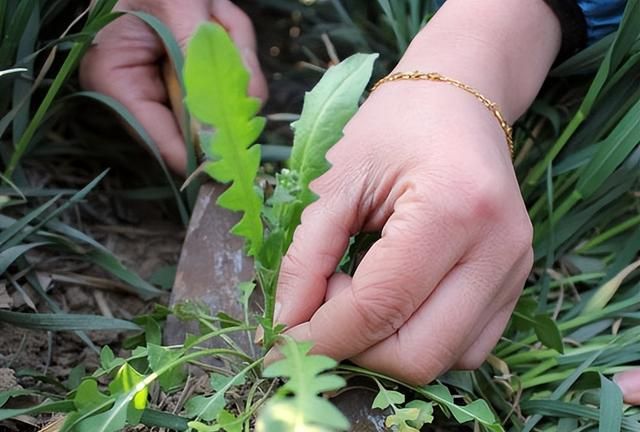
[[64, 322], [610, 406], [133, 123], [19, 225], [9, 255]]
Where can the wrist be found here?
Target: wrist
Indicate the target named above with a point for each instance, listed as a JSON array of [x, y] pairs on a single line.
[[504, 49]]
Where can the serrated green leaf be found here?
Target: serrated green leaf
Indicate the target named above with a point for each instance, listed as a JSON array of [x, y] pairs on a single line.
[[401, 419], [112, 420], [327, 109], [219, 382], [211, 406], [88, 396], [125, 381], [216, 84], [306, 381], [205, 408], [425, 415], [225, 421], [284, 415], [228, 422], [386, 398], [159, 357], [477, 410]]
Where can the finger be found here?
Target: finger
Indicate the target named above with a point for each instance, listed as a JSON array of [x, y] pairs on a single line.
[[629, 382], [240, 28], [338, 283], [318, 244], [183, 21], [123, 65], [160, 122], [448, 323], [396, 275], [483, 344], [141, 90]]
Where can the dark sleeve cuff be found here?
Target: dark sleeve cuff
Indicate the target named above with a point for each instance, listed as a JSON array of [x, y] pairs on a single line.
[[573, 24]]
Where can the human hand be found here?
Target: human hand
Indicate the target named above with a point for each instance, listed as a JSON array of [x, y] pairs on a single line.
[[429, 166], [125, 63], [629, 382], [438, 288]]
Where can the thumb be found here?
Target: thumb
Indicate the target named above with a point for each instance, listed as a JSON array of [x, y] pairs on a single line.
[[318, 245], [240, 28], [629, 383]]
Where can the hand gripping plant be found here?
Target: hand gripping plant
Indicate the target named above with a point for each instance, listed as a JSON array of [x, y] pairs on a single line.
[[214, 72], [240, 395]]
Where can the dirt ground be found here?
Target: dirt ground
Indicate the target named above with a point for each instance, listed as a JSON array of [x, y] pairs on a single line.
[[84, 289]]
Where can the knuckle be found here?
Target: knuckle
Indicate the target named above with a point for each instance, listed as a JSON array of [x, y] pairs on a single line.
[[528, 261], [524, 234], [426, 366], [336, 181], [519, 239], [485, 199], [290, 264], [381, 314], [242, 21], [289, 273], [512, 296]]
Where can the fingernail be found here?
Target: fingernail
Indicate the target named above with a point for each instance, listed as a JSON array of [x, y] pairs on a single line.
[[259, 336], [249, 59], [629, 383], [276, 312]]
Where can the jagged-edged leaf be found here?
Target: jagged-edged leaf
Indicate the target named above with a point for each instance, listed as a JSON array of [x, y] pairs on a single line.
[[216, 83], [385, 398], [206, 408], [112, 420], [327, 109], [299, 405], [125, 381], [477, 410], [160, 356], [425, 413], [88, 395], [401, 419]]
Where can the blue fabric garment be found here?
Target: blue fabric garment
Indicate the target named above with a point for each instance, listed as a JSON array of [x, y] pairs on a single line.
[[602, 17]]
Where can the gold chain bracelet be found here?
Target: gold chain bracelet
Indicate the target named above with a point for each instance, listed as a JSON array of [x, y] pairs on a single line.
[[436, 77]]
